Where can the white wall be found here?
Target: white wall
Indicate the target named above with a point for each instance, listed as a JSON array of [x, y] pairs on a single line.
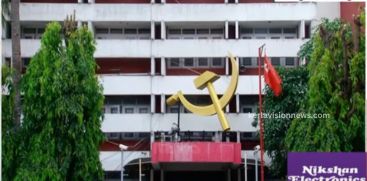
[[169, 12], [111, 160], [177, 48], [164, 122], [146, 85], [330, 10]]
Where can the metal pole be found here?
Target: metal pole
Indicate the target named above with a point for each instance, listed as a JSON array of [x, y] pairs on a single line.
[[139, 169], [178, 121], [256, 169], [122, 165], [261, 121], [245, 167]]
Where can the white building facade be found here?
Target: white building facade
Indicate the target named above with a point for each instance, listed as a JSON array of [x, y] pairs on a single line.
[[148, 50]]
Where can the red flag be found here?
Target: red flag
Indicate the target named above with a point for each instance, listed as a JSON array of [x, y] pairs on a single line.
[[271, 77]]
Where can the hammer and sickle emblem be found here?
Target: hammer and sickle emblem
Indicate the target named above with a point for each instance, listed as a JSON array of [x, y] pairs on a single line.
[[205, 80]]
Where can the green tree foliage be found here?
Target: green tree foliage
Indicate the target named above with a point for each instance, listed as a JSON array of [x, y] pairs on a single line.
[[336, 88], [294, 92], [62, 109], [8, 129]]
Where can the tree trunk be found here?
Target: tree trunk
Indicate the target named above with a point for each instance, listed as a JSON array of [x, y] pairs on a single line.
[[16, 58]]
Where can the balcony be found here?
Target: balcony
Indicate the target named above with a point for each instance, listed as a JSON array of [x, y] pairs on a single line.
[[170, 12], [164, 122], [176, 48], [111, 160], [167, 85]]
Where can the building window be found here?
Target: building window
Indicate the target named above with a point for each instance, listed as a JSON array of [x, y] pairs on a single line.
[[188, 31], [217, 31], [174, 62], [102, 30], [121, 33], [113, 136], [203, 31], [203, 62], [116, 31], [173, 109], [128, 135], [275, 30], [129, 110], [260, 30], [112, 108], [188, 62], [270, 33], [174, 31], [26, 62], [275, 61], [247, 61], [217, 62], [130, 31], [289, 61], [246, 30], [195, 33], [32, 32], [143, 110], [8, 61], [289, 30]]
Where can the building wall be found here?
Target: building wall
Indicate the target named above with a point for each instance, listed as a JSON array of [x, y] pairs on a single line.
[[350, 9], [138, 67], [122, 1], [49, 1]]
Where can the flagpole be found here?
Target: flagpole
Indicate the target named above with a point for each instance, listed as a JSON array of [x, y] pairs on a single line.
[[261, 116]]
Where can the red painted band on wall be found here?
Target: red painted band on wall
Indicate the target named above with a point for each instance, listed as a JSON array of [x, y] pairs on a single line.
[[199, 152]]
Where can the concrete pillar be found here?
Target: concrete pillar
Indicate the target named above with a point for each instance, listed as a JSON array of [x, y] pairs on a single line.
[[163, 1], [238, 134], [163, 103], [152, 66], [162, 175], [163, 30], [236, 1], [80, 1], [151, 175], [152, 29], [301, 29], [245, 166], [225, 1], [79, 24], [229, 175], [226, 29], [152, 103], [91, 1], [163, 66], [91, 27], [152, 137], [237, 103], [227, 65], [237, 27]]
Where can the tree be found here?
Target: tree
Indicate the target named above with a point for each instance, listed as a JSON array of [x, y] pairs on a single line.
[[294, 90], [9, 135], [62, 109], [16, 59], [336, 88]]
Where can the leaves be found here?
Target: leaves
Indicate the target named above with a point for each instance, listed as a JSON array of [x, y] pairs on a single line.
[[293, 95], [62, 110], [336, 87]]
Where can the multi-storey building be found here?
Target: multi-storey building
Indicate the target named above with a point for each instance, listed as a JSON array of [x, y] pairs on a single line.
[[149, 49]]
